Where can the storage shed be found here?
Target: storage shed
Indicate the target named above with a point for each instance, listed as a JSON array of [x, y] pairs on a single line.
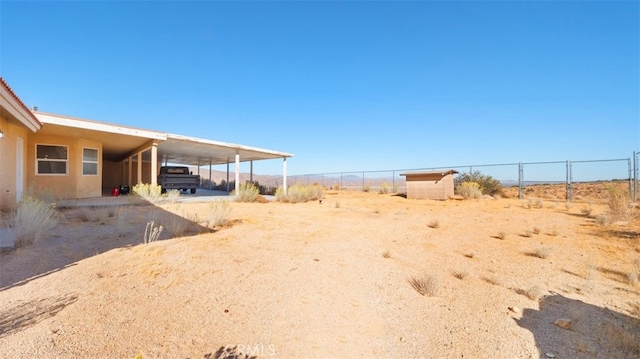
[[430, 184]]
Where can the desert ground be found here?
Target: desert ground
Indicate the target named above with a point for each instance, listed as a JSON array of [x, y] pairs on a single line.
[[500, 278]]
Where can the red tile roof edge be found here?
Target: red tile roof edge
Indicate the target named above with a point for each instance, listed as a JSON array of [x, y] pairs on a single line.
[[10, 90]]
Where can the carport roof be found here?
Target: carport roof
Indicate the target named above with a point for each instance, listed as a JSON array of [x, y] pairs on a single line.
[[119, 142]]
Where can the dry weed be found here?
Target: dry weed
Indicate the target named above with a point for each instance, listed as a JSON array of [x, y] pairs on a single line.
[[533, 293], [492, 280], [151, 233], [459, 274], [470, 254], [502, 235], [425, 284], [542, 252], [386, 254], [433, 224]]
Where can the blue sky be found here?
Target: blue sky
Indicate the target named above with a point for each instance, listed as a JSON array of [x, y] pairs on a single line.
[[344, 86]]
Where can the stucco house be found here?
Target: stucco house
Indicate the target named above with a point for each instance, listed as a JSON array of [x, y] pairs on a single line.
[[64, 157]]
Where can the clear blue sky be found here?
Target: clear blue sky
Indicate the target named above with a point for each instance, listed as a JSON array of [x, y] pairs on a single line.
[[343, 85]]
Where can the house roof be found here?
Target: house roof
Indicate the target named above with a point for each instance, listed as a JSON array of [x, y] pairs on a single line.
[[438, 172], [12, 108], [120, 141]]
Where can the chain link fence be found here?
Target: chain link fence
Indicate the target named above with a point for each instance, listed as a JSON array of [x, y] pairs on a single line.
[[586, 180]]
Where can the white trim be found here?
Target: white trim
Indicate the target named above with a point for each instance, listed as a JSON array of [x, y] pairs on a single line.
[[9, 103], [46, 118], [228, 145], [52, 160], [97, 162]]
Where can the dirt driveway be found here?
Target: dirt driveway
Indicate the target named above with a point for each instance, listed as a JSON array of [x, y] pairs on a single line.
[[327, 280]]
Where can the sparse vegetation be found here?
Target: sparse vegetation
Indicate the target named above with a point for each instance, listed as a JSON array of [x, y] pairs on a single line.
[[459, 274], [536, 230], [487, 184], [151, 193], [603, 220], [619, 204], [217, 214], [533, 293], [502, 235], [247, 192], [492, 280], [386, 254], [31, 219], [151, 233], [470, 254], [384, 188], [425, 284], [528, 233], [542, 252], [469, 190], [300, 193], [433, 224], [366, 188]]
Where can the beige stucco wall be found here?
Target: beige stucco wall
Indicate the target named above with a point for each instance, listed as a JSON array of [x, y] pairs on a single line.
[[430, 186], [71, 185], [8, 162]]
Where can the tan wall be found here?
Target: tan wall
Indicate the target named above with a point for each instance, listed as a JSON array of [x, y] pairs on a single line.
[[427, 186], [71, 185], [8, 164], [113, 175]]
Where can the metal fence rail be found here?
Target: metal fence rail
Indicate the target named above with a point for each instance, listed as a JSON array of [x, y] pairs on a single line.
[[566, 180]]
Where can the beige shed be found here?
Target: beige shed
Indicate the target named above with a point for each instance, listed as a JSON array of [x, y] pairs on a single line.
[[430, 184]]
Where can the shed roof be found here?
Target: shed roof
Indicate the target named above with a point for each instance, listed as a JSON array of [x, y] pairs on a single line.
[[438, 172]]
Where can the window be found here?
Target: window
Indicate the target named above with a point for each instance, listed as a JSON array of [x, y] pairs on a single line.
[[51, 160], [89, 162]]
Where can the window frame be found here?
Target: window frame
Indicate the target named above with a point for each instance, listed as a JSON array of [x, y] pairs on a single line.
[[65, 161], [97, 161]]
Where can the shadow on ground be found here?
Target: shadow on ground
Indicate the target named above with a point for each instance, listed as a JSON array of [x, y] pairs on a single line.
[[594, 332], [83, 232], [27, 314]]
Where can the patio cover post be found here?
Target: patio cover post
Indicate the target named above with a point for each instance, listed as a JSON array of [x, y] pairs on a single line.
[[237, 172], [154, 163], [130, 172], [251, 171], [139, 167], [284, 175]]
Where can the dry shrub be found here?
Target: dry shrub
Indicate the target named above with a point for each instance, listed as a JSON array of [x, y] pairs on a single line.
[[384, 188], [624, 338], [247, 192], [425, 284], [433, 224], [151, 233], [300, 193], [533, 293], [502, 235], [148, 191], [619, 204], [542, 252], [469, 190], [459, 274], [31, 219], [217, 214], [492, 280], [386, 254]]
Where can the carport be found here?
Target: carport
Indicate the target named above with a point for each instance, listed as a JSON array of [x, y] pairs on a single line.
[[133, 155]]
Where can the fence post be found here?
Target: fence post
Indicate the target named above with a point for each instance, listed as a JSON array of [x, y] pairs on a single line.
[[340, 180], [569, 180], [362, 181], [631, 195], [393, 181], [635, 176], [520, 172]]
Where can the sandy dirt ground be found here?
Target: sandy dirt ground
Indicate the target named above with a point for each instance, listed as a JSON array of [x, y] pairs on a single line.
[[330, 280]]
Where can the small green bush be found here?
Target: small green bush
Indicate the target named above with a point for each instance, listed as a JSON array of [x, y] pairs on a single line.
[[247, 192], [469, 190], [487, 184], [300, 193]]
